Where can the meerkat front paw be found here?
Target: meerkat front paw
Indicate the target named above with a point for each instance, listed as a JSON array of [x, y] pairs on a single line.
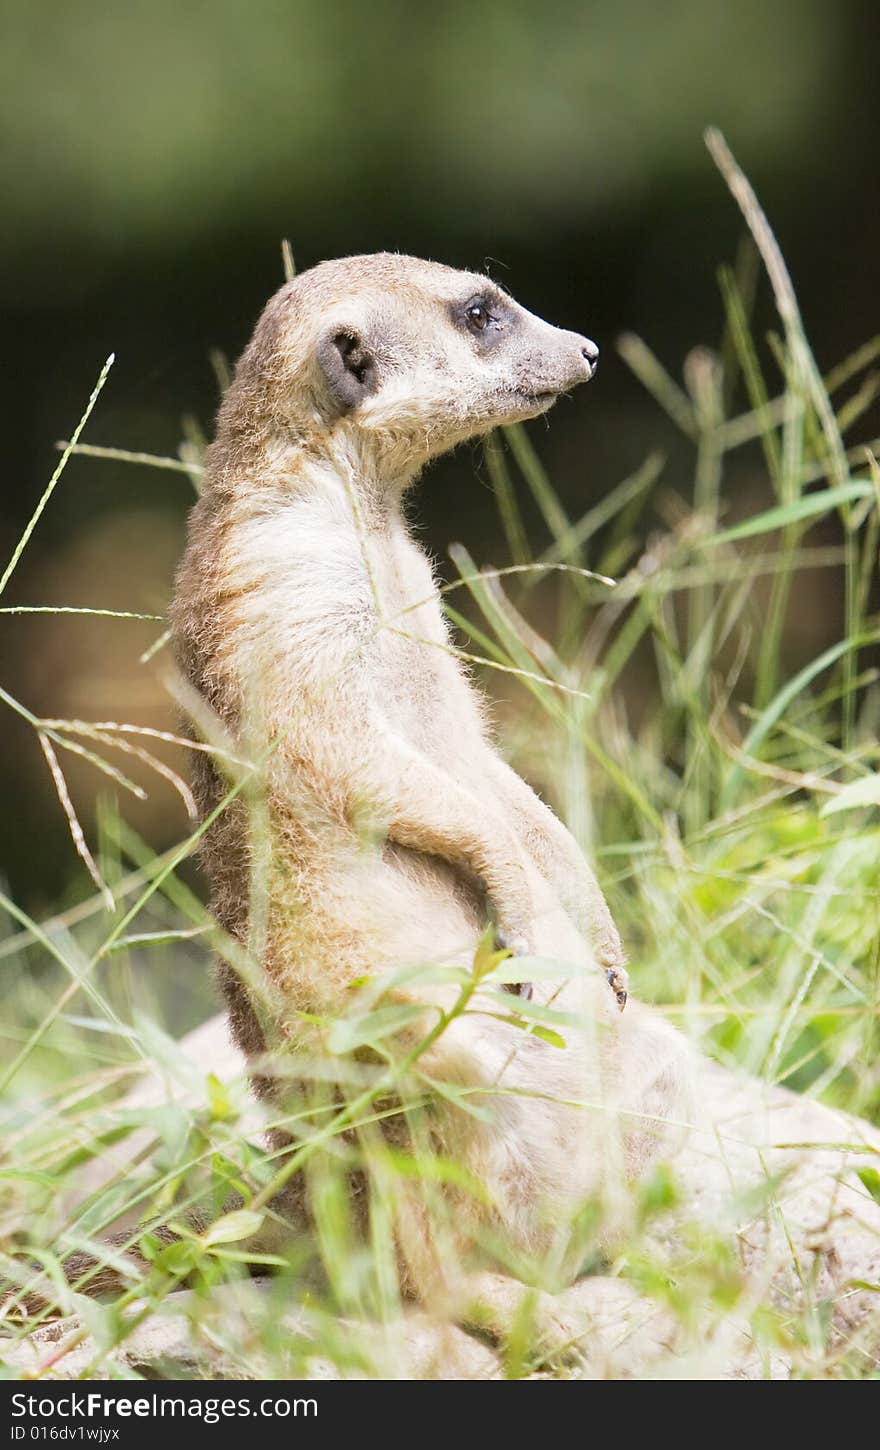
[[607, 951], [618, 981], [608, 954]]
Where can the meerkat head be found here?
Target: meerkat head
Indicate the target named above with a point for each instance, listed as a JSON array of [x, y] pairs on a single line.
[[404, 358]]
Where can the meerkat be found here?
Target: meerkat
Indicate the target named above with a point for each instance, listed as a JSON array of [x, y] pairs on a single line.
[[307, 618]]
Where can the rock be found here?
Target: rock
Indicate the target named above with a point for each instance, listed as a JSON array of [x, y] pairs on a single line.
[[774, 1172], [222, 1336]]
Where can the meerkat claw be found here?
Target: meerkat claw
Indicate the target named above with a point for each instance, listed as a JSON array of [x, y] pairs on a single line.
[[616, 983]]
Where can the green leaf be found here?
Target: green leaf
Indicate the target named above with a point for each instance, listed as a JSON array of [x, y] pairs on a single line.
[[487, 956], [218, 1099], [240, 1256], [461, 1097], [658, 1193], [178, 1258], [546, 1034], [425, 976], [104, 1323], [534, 969], [871, 1180], [804, 507], [537, 1011], [353, 1032], [150, 1247], [864, 792], [27, 1176], [240, 1224]]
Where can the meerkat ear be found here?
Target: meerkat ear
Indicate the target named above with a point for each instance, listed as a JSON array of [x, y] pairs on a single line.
[[349, 368]]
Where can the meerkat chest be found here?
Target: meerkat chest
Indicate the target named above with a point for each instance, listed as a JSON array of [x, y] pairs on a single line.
[[419, 679], [327, 609]]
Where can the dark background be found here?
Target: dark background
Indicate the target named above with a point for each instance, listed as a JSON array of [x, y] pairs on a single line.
[[153, 156]]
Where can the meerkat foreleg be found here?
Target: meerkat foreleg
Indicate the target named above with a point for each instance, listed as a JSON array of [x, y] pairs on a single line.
[[560, 860], [432, 813]]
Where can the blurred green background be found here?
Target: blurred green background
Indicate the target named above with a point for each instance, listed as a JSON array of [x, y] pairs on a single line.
[[153, 156]]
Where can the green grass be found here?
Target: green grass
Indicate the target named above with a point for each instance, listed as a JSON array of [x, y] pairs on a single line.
[[728, 796]]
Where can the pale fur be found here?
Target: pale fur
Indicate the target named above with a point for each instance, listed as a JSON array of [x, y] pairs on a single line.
[[308, 619]]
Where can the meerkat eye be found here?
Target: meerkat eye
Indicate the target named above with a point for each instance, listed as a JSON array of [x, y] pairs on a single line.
[[478, 316]]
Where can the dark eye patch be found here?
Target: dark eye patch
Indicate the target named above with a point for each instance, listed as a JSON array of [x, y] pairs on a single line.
[[485, 315]]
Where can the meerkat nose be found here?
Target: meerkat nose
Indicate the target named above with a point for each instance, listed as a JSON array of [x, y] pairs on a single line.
[[590, 354]]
